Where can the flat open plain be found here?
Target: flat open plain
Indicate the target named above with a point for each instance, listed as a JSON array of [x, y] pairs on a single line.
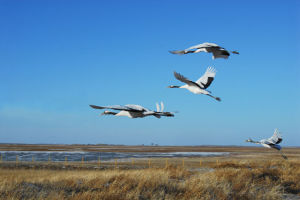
[[244, 173]]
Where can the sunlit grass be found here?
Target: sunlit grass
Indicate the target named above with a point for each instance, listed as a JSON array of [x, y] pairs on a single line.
[[237, 179]]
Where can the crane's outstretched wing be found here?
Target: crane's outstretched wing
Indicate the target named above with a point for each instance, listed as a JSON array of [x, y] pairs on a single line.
[[276, 138], [136, 108], [207, 77], [185, 80], [162, 106], [203, 45], [114, 107], [118, 107], [157, 107], [196, 48]]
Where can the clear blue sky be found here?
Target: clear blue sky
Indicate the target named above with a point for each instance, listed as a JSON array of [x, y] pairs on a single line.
[[57, 57]]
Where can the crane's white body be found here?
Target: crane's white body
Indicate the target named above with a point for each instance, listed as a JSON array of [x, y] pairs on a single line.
[[194, 89], [130, 114], [266, 145]]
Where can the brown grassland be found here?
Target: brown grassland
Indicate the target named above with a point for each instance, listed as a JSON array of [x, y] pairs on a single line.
[[248, 173]]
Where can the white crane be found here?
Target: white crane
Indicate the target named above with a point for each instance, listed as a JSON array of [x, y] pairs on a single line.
[[198, 87], [134, 111], [272, 142], [216, 50]]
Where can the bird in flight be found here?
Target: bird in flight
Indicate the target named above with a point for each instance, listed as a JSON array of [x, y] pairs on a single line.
[[134, 111], [216, 50], [200, 86], [272, 142]]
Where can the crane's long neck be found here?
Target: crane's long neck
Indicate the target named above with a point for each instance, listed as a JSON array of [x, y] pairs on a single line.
[[108, 113], [173, 86], [250, 140]]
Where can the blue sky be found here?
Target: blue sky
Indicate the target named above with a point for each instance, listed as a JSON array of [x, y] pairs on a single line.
[[57, 57]]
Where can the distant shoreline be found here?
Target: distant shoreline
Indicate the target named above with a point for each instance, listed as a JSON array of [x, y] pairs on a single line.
[[135, 148]]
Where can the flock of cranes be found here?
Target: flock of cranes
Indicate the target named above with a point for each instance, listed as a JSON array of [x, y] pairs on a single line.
[[197, 87]]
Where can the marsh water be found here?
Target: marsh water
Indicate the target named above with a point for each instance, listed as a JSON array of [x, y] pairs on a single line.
[[94, 156]]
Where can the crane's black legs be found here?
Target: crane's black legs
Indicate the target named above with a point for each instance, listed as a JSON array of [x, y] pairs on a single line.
[[216, 98]]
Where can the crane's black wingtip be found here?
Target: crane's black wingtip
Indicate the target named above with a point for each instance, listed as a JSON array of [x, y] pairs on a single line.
[[95, 107], [176, 74]]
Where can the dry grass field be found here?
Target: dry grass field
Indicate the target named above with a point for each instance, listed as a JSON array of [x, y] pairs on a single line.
[[248, 173]]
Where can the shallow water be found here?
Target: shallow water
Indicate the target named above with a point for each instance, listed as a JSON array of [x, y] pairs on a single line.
[[93, 156]]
